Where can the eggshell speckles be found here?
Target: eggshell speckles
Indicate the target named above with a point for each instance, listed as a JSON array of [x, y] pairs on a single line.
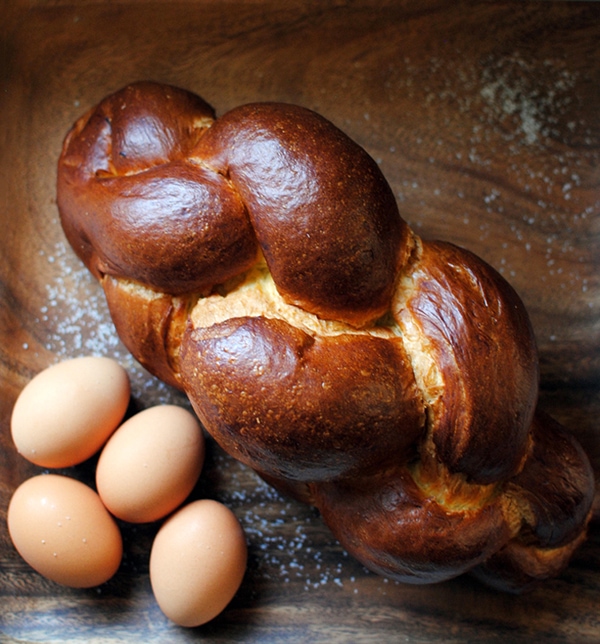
[[61, 529], [151, 463], [197, 562], [66, 413]]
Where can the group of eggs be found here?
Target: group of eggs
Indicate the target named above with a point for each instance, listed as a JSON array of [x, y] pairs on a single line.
[[147, 467]]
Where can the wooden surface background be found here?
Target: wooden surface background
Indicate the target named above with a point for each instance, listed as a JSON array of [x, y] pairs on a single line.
[[485, 118]]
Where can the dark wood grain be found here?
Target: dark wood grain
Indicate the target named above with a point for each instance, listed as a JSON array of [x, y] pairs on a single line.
[[485, 118]]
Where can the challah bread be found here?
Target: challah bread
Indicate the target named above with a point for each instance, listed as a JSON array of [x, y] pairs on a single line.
[[257, 261]]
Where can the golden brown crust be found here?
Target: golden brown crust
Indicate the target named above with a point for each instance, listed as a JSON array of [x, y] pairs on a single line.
[[258, 262], [147, 322], [291, 404], [553, 487], [393, 527], [134, 206], [518, 567], [482, 344], [554, 494], [329, 230]]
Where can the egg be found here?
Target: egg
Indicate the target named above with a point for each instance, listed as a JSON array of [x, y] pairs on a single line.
[[151, 463], [61, 529], [197, 562], [66, 413]]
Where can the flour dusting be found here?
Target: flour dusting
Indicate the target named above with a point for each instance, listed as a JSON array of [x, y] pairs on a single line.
[[509, 89]]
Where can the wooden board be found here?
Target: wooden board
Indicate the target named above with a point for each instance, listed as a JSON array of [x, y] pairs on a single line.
[[485, 118]]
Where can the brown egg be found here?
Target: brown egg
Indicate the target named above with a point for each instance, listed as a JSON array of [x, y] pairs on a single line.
[[61, 529], [151, 463], [65, 414], [197, 562]]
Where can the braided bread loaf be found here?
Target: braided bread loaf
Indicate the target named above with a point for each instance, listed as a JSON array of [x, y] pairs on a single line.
[[258, 263]]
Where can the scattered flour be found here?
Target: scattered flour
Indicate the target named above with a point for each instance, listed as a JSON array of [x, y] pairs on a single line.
[[509, 89], [309, 555], [505, 116], [77, 312]]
